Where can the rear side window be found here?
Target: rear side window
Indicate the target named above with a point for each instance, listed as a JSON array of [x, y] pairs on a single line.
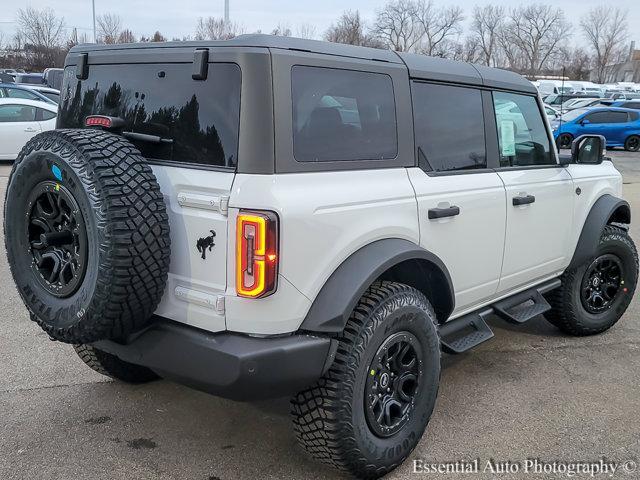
[[607, 117], [449, 127], [522, 135], [45, 115], [18, 93], [17, 113], [198, 121], [342, 115]]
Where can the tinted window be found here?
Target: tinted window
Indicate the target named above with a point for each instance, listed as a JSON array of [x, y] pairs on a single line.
[[45, 115], [449, 127], [633, 116], [607, 117], [342, 115], [52, 96], [17, 113], [198, 120], [522, 134], [18, 93]]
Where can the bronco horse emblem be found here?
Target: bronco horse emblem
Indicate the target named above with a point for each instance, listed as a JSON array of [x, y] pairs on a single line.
[[206, 243]]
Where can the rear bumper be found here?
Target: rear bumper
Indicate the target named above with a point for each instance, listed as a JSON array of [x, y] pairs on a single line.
[[227, 364]]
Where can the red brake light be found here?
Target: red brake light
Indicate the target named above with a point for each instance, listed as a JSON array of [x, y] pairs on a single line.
[[256, 253], [98, 121]]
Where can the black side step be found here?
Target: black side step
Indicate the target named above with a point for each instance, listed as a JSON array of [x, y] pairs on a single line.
[[466, 332], [470, 330], [525, 305]]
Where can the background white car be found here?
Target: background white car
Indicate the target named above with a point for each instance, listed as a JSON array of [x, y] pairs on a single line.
[[20, 120]]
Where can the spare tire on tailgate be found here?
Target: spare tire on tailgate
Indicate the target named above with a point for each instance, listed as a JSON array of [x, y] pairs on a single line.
[[87, 235]]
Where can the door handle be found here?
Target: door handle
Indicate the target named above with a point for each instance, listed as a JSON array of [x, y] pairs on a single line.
[[443, 212], [30, 129], [524, 200]]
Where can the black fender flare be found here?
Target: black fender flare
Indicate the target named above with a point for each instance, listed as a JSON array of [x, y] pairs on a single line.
[[339, 295], [605, 210]]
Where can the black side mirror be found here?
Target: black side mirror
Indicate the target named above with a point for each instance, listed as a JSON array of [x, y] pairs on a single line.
[[588, 149]]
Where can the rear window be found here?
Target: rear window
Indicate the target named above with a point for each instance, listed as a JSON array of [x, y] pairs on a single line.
[[197, 120], [342, 115]]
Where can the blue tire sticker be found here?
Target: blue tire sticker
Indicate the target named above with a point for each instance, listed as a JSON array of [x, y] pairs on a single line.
[[57, 172]]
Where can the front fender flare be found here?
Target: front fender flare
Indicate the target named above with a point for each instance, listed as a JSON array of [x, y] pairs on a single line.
[[342, 291], [606, 209]]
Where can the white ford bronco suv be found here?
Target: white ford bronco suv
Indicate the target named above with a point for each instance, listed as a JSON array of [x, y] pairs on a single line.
[[270, 216]]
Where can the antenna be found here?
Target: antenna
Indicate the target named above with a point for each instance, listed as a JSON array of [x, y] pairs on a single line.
[[562, 103]]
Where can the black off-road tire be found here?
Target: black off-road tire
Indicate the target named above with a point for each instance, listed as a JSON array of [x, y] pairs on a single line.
[[632, 144], [111, 366], [123, 276], [568, 312], [329, 418]]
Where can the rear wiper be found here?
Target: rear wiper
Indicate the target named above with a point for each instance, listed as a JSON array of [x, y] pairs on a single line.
[[143, 137]]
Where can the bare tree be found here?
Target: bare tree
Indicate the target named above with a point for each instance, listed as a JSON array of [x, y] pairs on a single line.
[[606, 30], [109, 26], [212, 28], [126, 36], [306, 30], [40, 28], [396, 25], [467, 51], [437, 26], [351, 29], [40, 33], [535, 33], [282, 30], [76, 39], [486, 28]]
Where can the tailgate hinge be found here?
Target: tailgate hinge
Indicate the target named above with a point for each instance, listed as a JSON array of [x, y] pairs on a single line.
[[206, 202], [214, 302]]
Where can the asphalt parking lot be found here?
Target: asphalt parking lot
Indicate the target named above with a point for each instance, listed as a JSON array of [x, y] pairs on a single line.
[[529, 393]]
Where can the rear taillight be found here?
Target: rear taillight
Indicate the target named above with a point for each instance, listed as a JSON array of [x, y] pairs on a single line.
[[256, 253]]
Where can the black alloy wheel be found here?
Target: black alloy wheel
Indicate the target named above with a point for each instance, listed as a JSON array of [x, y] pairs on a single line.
[[392, 382], [602, 283], [56, 239]]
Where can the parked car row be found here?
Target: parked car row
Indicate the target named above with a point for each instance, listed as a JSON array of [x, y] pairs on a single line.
[[21, 119], [28, 106]]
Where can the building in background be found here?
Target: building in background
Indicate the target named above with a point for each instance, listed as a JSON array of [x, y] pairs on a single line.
[[628, 71]]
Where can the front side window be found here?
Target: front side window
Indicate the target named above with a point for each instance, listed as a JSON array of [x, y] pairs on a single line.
[[449, 127], [342, 115], [522, 135], [17, 113]]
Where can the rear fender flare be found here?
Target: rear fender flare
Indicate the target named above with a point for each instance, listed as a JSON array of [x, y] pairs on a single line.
[[340, 294]]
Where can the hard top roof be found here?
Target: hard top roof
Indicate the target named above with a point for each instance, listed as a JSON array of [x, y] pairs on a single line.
[[420, 66]]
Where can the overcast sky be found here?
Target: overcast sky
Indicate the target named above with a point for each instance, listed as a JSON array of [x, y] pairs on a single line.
[[178, 18]]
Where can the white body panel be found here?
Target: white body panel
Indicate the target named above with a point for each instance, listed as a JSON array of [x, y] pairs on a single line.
[[593, 181], [196, 202], [324, 218], [537, 241], [492, 249], [14, 135], [469, 244]]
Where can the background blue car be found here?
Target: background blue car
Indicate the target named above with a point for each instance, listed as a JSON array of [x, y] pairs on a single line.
[[620, 126]]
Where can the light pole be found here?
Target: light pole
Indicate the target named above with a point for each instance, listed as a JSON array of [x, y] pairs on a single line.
[[226, 11], [93, 7]]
